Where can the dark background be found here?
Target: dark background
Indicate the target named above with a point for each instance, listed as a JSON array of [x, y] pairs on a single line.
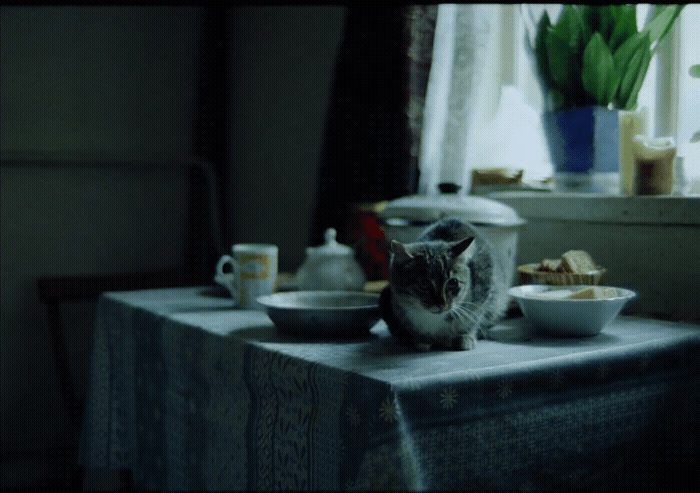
[[248, 88]]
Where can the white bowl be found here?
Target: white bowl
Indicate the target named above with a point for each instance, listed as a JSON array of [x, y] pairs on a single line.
[[567, 317]]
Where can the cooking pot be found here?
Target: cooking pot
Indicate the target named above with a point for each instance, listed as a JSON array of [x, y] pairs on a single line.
[[405, 218]]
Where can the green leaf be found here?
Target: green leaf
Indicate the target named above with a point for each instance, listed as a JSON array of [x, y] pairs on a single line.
[[631, 103], [633, 75], [569, 27], [561, 58], [558, 101], [606, 19], [594, 55], [598, 73], [694, 71], [622, 58], [615, 12], [626, 50], [586, 19], [664, 17], [541, 49], [625, 26]]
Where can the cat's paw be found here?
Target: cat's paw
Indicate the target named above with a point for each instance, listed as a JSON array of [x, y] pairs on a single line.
[[421, 346], [464, 342]]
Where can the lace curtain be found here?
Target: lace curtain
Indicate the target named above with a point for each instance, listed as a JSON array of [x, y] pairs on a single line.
[[420, 32], [479, 108], [410, 115], [462, 93]]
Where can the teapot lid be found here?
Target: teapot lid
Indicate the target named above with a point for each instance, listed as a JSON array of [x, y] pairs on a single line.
[[331, 246]]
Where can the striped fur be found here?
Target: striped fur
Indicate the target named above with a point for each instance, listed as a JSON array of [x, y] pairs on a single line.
[[444, 290]]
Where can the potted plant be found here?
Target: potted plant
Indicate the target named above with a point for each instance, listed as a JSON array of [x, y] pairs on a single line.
[[591, 63], [694, 71]]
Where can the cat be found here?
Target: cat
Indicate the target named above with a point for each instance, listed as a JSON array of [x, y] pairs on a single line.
[[445, 289]]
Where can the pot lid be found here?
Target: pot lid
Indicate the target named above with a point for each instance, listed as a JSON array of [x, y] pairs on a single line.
[[430, 208], [331, 246]]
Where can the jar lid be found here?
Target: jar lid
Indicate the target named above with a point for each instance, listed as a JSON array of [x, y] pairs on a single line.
[[331, 246], [653, 148], [430, 208]]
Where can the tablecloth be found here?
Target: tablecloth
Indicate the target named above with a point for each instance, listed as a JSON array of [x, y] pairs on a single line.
[[192, 394]]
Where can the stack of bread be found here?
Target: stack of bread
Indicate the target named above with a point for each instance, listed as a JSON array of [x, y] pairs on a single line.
[[573, 267]]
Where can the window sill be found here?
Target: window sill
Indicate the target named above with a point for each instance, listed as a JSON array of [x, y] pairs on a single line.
[[608, 209]]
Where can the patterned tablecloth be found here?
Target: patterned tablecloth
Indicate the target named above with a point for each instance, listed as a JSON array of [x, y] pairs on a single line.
[[191, 394]]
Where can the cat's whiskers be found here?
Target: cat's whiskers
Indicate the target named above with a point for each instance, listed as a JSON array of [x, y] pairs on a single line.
[[467, 304], [472, 307], [457, 315], [464, 314], [476, 314], [463, 319], [479, 315]]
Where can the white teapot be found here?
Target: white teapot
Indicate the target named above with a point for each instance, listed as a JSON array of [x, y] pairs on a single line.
[[330, 267]]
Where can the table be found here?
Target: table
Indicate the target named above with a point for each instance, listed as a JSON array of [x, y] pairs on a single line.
[[191, 394]]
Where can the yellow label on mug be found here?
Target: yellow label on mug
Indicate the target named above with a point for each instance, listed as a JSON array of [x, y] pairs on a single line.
[[254, 266]]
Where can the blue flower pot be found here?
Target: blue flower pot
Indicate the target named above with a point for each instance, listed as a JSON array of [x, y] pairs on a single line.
[[582, 143]]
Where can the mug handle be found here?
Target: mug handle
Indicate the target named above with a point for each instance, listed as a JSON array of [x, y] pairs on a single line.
[[229, 280]]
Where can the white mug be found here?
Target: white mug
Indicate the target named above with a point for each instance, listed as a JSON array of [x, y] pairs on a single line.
[[253, 273]]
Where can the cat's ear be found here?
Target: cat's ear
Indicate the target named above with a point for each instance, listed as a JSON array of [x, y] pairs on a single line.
[[400, 252], [460, 246]]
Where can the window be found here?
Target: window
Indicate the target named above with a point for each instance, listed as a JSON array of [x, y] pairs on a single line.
[[670, 94]]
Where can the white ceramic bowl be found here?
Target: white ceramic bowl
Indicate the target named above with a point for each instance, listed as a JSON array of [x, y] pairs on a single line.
[[567, 317]]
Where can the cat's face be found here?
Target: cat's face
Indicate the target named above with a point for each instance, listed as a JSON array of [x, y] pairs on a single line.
[[432, 275]]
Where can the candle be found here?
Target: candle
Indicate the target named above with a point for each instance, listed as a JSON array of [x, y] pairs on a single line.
[[654, 160], [631, 123]]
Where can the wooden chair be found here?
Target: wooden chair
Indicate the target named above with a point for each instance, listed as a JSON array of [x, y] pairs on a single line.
[[56, 292]]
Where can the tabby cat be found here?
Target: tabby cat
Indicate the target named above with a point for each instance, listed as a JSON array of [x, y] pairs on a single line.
[[445, 289]]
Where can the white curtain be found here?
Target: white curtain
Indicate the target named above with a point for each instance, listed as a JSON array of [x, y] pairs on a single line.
[[457, 94], [475, 114]]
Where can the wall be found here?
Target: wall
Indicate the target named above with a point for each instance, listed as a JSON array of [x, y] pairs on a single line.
[[79, 81], [282, 67], [648, 244], [82, 81]]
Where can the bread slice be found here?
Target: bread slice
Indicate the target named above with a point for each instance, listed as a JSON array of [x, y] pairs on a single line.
[[549, 265], [588, 293], [593, 293], [577, 262]]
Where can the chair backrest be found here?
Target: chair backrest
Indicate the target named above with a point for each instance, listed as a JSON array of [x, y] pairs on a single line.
[[196, 219]]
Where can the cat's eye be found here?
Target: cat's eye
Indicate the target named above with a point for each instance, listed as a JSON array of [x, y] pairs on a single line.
[[424, 284], [452, 284]]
